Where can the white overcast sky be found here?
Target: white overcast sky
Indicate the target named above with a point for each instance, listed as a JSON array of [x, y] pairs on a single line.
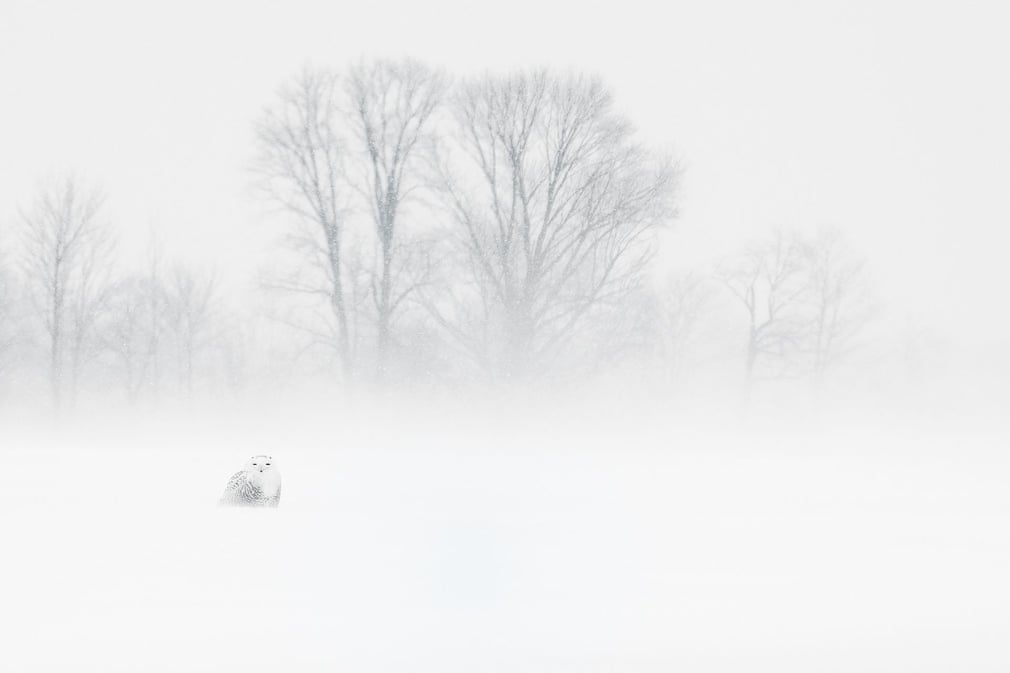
[[889, 120]]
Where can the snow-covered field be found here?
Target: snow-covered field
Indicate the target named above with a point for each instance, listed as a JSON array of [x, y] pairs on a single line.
[[527, 547]]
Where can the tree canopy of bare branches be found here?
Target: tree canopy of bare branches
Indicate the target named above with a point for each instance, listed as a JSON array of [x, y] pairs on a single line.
[[132, 334], [769, 283], [552, 202], [162, 323], [190, 298], [67, 266], [302, 165], [838, 298], [683, 301], [393, 103], [804, 300]]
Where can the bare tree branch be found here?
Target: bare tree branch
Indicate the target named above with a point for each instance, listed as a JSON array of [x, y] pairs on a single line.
[[302, 166], [67, 265], [393, 103], [552, 208]]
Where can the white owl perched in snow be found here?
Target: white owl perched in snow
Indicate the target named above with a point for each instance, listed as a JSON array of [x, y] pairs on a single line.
[[257, 485]]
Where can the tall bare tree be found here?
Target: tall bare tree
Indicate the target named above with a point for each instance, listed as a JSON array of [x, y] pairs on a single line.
[[152, 290], [190, 296], [769, 281], [89, 303], [161, 322], [682, 302], [393, 103], [136, 332], [302, 165], [838, 300], [128, 334], [552, 202], [67, 264]]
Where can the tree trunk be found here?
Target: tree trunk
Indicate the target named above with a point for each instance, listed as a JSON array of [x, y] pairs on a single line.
[[385, 310], [56, 351], [337, 303]]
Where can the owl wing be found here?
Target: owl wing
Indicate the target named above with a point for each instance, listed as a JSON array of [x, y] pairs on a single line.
[[240, 491]]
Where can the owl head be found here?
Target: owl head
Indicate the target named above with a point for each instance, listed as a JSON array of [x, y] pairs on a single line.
[[260, 464]]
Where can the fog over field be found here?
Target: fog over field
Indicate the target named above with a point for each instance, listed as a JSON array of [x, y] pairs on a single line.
[[584, 337]]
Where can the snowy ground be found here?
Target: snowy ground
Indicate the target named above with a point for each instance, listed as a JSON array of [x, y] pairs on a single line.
[[692, 551]]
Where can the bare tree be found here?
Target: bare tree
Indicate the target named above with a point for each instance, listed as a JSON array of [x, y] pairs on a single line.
[[152, 288], [552, 204], [89, 303], [161, 322], [67, 262], [136, 330], [190, 298], [393, 103], [302, 165], [128, 333], [682, 303], [837, 298], [769, 281]]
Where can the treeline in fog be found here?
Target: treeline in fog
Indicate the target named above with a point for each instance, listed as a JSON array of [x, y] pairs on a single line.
[[430, 230]]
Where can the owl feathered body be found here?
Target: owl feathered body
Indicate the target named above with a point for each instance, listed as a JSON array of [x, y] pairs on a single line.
[[257, 485]]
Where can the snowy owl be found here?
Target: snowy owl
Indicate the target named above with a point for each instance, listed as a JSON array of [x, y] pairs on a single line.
[[257, 485]]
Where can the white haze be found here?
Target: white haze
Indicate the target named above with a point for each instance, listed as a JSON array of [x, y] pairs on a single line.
[[630, 538], [603, 527]]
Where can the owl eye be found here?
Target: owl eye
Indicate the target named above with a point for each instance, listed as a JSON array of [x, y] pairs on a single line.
[[268, 464]]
